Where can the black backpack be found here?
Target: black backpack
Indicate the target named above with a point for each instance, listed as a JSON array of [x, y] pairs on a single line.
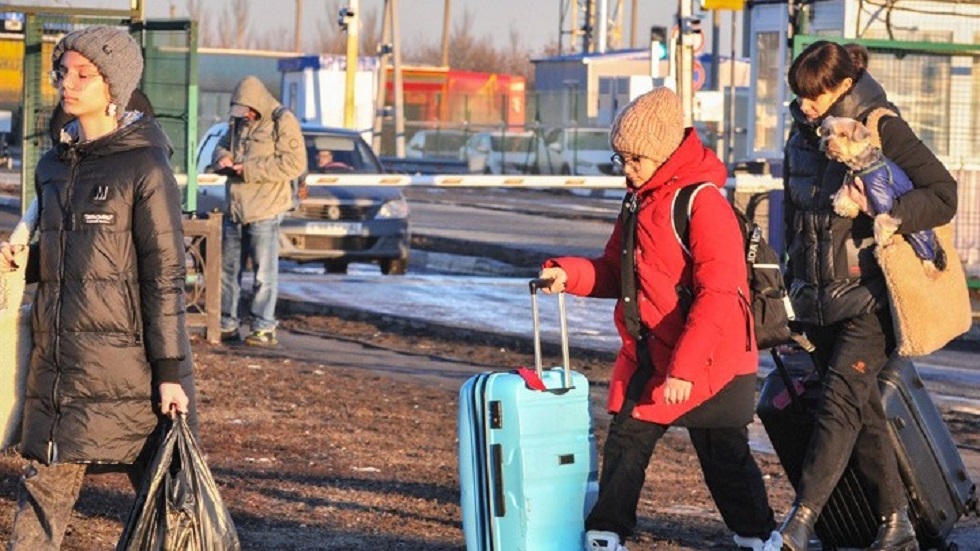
[[768, 298]]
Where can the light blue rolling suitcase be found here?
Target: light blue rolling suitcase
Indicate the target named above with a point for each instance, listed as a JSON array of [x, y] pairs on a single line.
[[527, 458]]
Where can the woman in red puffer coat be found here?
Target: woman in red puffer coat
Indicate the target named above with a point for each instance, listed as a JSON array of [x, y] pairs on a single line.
[[683, 310]]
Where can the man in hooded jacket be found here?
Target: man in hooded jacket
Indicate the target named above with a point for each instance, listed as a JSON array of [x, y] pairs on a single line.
[[262, 152]]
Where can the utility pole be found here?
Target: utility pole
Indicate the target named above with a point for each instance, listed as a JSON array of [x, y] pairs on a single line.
[[687, 27], [138, 10], [399, 92], [587, 28], [349, 20], [381, 95], [445, 33], [298, 27], [602, 26], [716, 50], [730, 119], [633, 19]]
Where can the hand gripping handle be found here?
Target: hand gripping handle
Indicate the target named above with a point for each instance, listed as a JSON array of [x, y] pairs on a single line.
[[534, 285]]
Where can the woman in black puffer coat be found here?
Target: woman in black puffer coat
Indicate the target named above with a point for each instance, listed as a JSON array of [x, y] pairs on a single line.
[[838, 289], [110, 343]]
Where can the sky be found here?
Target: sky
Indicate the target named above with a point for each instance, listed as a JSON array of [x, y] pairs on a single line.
[[536, 21]]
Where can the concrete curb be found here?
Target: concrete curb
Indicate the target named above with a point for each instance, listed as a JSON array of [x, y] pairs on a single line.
[[461, 264]]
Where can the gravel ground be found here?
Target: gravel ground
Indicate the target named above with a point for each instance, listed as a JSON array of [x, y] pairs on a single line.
[[312, 456]]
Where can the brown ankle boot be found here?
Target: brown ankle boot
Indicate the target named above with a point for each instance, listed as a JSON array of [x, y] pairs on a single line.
[[895, 533], [798, 528]]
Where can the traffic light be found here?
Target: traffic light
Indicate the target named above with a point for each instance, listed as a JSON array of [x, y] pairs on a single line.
[[658, 42], [346, 16]]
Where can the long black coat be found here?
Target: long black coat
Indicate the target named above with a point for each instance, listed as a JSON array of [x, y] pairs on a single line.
[[108, 314]]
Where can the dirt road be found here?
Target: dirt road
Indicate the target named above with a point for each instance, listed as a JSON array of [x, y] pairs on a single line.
[[316, 450]]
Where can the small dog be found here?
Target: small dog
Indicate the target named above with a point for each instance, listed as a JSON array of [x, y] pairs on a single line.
[[847, 141]]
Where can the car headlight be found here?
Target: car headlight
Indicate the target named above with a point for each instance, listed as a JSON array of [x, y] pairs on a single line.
[[396, 208]]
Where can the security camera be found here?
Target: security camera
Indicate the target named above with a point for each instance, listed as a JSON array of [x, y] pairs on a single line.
[[346, 15]]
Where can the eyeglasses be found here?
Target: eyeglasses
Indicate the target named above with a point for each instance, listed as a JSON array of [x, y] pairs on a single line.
[[81, 79], [620, 161]]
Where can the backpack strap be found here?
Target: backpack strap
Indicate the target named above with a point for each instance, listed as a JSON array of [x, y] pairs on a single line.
[[872, 121], [680, 213], [297, 185], [276, 115]]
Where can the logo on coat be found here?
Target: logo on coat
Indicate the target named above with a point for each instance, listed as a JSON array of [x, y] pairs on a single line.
[[98, 218], [100, 194]]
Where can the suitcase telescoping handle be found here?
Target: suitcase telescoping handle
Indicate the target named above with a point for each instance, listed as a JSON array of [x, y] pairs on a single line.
[[534, 285]]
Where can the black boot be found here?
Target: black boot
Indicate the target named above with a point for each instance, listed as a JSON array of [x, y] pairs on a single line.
[[895, 533], [798, 528]]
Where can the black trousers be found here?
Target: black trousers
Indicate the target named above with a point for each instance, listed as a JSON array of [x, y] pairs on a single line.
[[730, 471], [851, 425]]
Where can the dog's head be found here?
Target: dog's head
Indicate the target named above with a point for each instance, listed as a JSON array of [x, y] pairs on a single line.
[[845, 140]]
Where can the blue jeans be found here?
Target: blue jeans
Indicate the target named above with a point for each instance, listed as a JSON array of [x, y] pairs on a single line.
[[260, 242]]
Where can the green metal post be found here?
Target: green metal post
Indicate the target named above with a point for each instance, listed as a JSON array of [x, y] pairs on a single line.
[[32, 136], [192, 100]]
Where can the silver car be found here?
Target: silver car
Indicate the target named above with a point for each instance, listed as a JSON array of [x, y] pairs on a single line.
[[504, 152], [332, 224]]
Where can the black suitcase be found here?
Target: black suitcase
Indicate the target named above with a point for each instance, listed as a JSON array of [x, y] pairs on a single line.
[[938, 486], [847, 520], [936, 481]]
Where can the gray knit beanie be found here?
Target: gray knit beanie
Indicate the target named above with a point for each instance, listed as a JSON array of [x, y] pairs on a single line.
[[651, 125], [114, 53]]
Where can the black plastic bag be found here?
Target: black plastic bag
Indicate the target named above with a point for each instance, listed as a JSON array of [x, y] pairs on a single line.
[[178, 507]]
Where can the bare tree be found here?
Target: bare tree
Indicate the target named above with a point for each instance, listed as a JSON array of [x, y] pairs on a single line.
[[278, 39], [472, 53], [330, 39], [233, 28], [370, 32], [205, 32], [467, 51]]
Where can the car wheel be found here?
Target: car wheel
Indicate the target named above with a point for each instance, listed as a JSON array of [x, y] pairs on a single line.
[[335, 267], [565, 170], [394, 266]]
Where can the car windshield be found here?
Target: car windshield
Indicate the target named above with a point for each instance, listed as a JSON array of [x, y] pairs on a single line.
[[588, 140], [337, 153], [511, 144]]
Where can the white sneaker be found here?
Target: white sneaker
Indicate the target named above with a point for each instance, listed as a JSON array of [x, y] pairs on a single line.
[[774, 543], [596, 540]]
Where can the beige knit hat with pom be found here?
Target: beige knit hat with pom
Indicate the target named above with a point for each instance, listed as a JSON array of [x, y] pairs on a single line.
[[651, 125]]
